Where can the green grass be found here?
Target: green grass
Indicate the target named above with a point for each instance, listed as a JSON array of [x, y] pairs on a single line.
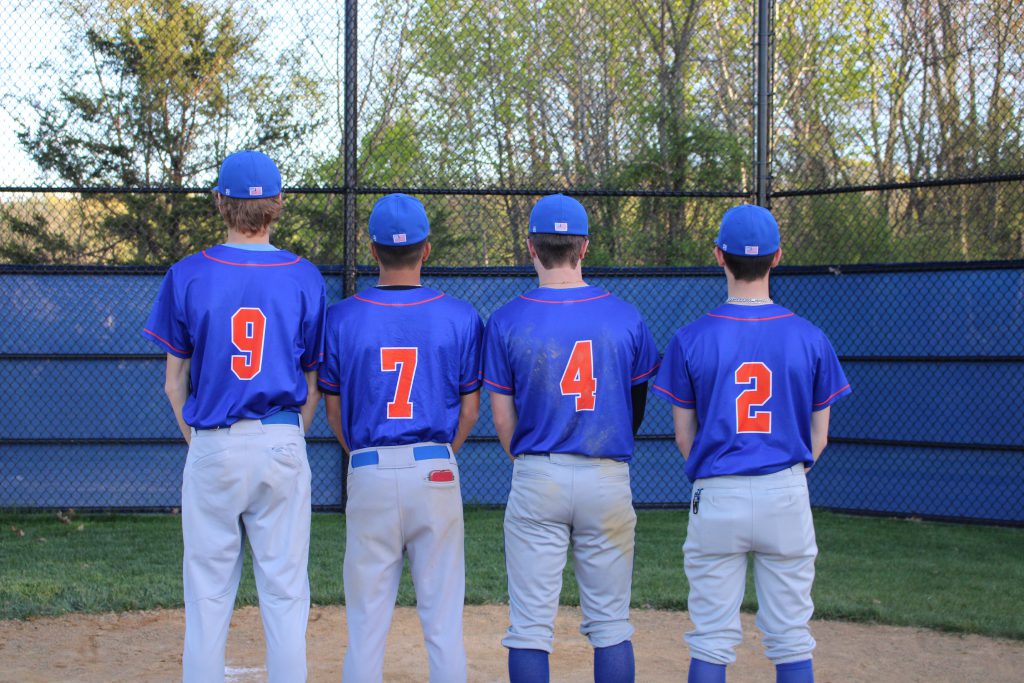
[[952, 577]]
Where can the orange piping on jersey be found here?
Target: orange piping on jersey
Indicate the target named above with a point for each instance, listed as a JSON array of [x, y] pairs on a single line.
[[314, 362], [254, 265], [326, 382], [832, 396], [666, 391], [154, 334], [472, 381], [572, 301], [500, 386], [656, 366], [414, 303], [749, 320]]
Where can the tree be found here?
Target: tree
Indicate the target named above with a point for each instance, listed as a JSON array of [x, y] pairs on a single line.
[[160, 92]]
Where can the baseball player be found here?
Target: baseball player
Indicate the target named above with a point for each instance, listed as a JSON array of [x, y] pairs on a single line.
[[750, 385], [242, 324], [402, 378], [567, 366]]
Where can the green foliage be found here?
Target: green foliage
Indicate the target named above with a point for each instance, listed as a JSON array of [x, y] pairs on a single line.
[[952, 577]]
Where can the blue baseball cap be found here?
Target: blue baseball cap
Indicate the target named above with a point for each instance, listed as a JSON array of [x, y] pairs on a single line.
[[557, 214], [248, 175], [398, 220], [748, 230]]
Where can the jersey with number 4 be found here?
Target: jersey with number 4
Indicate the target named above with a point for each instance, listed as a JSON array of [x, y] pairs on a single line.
[[251, 322], [400, 359], [754, 374], [570, 358]]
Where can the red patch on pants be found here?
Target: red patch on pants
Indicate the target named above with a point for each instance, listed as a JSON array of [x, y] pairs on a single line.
[[441, 475]]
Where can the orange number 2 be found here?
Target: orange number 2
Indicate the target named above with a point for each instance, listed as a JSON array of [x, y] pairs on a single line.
[[402, 359], [760, 421], [248, 328], [578, 379]]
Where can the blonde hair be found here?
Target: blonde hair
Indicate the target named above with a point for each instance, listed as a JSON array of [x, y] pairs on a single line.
[[249, 216]]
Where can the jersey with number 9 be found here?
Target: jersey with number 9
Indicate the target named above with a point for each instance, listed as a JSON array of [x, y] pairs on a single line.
[[235, 313], [570, 357], [754, 374]]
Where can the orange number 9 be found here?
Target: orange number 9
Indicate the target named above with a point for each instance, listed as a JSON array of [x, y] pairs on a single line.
[[248, 327]]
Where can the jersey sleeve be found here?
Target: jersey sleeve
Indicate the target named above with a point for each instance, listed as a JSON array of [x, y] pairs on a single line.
[[166, 326], [830, 383], [328, 374], [646, 360], [470, 370], [673, 382], [313, 328], [497, 373]]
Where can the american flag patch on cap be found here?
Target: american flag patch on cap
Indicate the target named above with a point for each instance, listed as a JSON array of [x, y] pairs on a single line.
[[398, 238], [750, 250], [561, 227], [255, 191]]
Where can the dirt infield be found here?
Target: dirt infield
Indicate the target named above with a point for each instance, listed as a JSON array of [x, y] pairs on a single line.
[[144, 647]]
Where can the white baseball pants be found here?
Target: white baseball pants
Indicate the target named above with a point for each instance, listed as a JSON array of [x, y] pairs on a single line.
[[770, 517], [394, 507], [250, 479], [557, 499]]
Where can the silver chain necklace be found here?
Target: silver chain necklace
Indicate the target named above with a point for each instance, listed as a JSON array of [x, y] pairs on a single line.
[[746, 300]]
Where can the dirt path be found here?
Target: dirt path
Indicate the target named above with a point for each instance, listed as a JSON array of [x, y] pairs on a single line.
[[145, 647]]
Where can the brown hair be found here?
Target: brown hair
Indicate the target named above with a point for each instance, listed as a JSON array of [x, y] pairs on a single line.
[[249, 216], [558, 250], [748, 268], [400, 257]]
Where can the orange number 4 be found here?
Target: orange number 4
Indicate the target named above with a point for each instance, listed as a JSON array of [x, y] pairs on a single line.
[[248, 328], [578, 379], [402, 359], [760, 421]]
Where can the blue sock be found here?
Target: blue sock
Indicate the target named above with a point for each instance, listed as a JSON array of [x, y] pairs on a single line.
[[705, 672], [795, 672], [615, 664], [527, 666]]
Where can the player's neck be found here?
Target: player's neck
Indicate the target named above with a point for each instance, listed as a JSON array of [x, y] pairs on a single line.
[[408, 277], [757, 291], [238, 237], [561, 278]]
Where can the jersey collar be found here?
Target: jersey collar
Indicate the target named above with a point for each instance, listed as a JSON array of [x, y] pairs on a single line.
[[573, 295], [398, 297], [750, 313]]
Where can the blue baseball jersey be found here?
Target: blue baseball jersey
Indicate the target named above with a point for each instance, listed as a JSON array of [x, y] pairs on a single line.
[[570, 357], [754, 374], [252, 323], [400, 359]]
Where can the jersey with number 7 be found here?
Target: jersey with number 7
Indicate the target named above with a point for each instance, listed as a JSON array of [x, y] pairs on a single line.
[[754, 374], [570, 357], [252, 323]]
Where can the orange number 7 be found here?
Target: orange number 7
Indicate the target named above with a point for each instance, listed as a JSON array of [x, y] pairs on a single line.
[[402, 359], [578, 379]]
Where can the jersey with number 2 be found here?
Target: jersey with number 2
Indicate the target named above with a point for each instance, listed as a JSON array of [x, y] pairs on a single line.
[[252, 323], [570, 358], [754, 374]]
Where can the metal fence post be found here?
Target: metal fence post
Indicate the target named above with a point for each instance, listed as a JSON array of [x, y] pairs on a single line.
[[765, 54]]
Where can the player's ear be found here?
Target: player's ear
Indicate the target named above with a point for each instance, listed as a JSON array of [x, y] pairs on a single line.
[[718, 256], [529, 248], [583, 249], [778, 257], [373, 253], [426, 252]]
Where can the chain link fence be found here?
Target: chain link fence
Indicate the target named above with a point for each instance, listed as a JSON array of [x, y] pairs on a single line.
[[881, 132]]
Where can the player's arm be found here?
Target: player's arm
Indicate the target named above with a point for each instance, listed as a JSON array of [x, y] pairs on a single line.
[[638, 395], [685, 422], [332, 405], [503, 409], [176, 388], [469, 413], [819, 431], [308, 410]]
